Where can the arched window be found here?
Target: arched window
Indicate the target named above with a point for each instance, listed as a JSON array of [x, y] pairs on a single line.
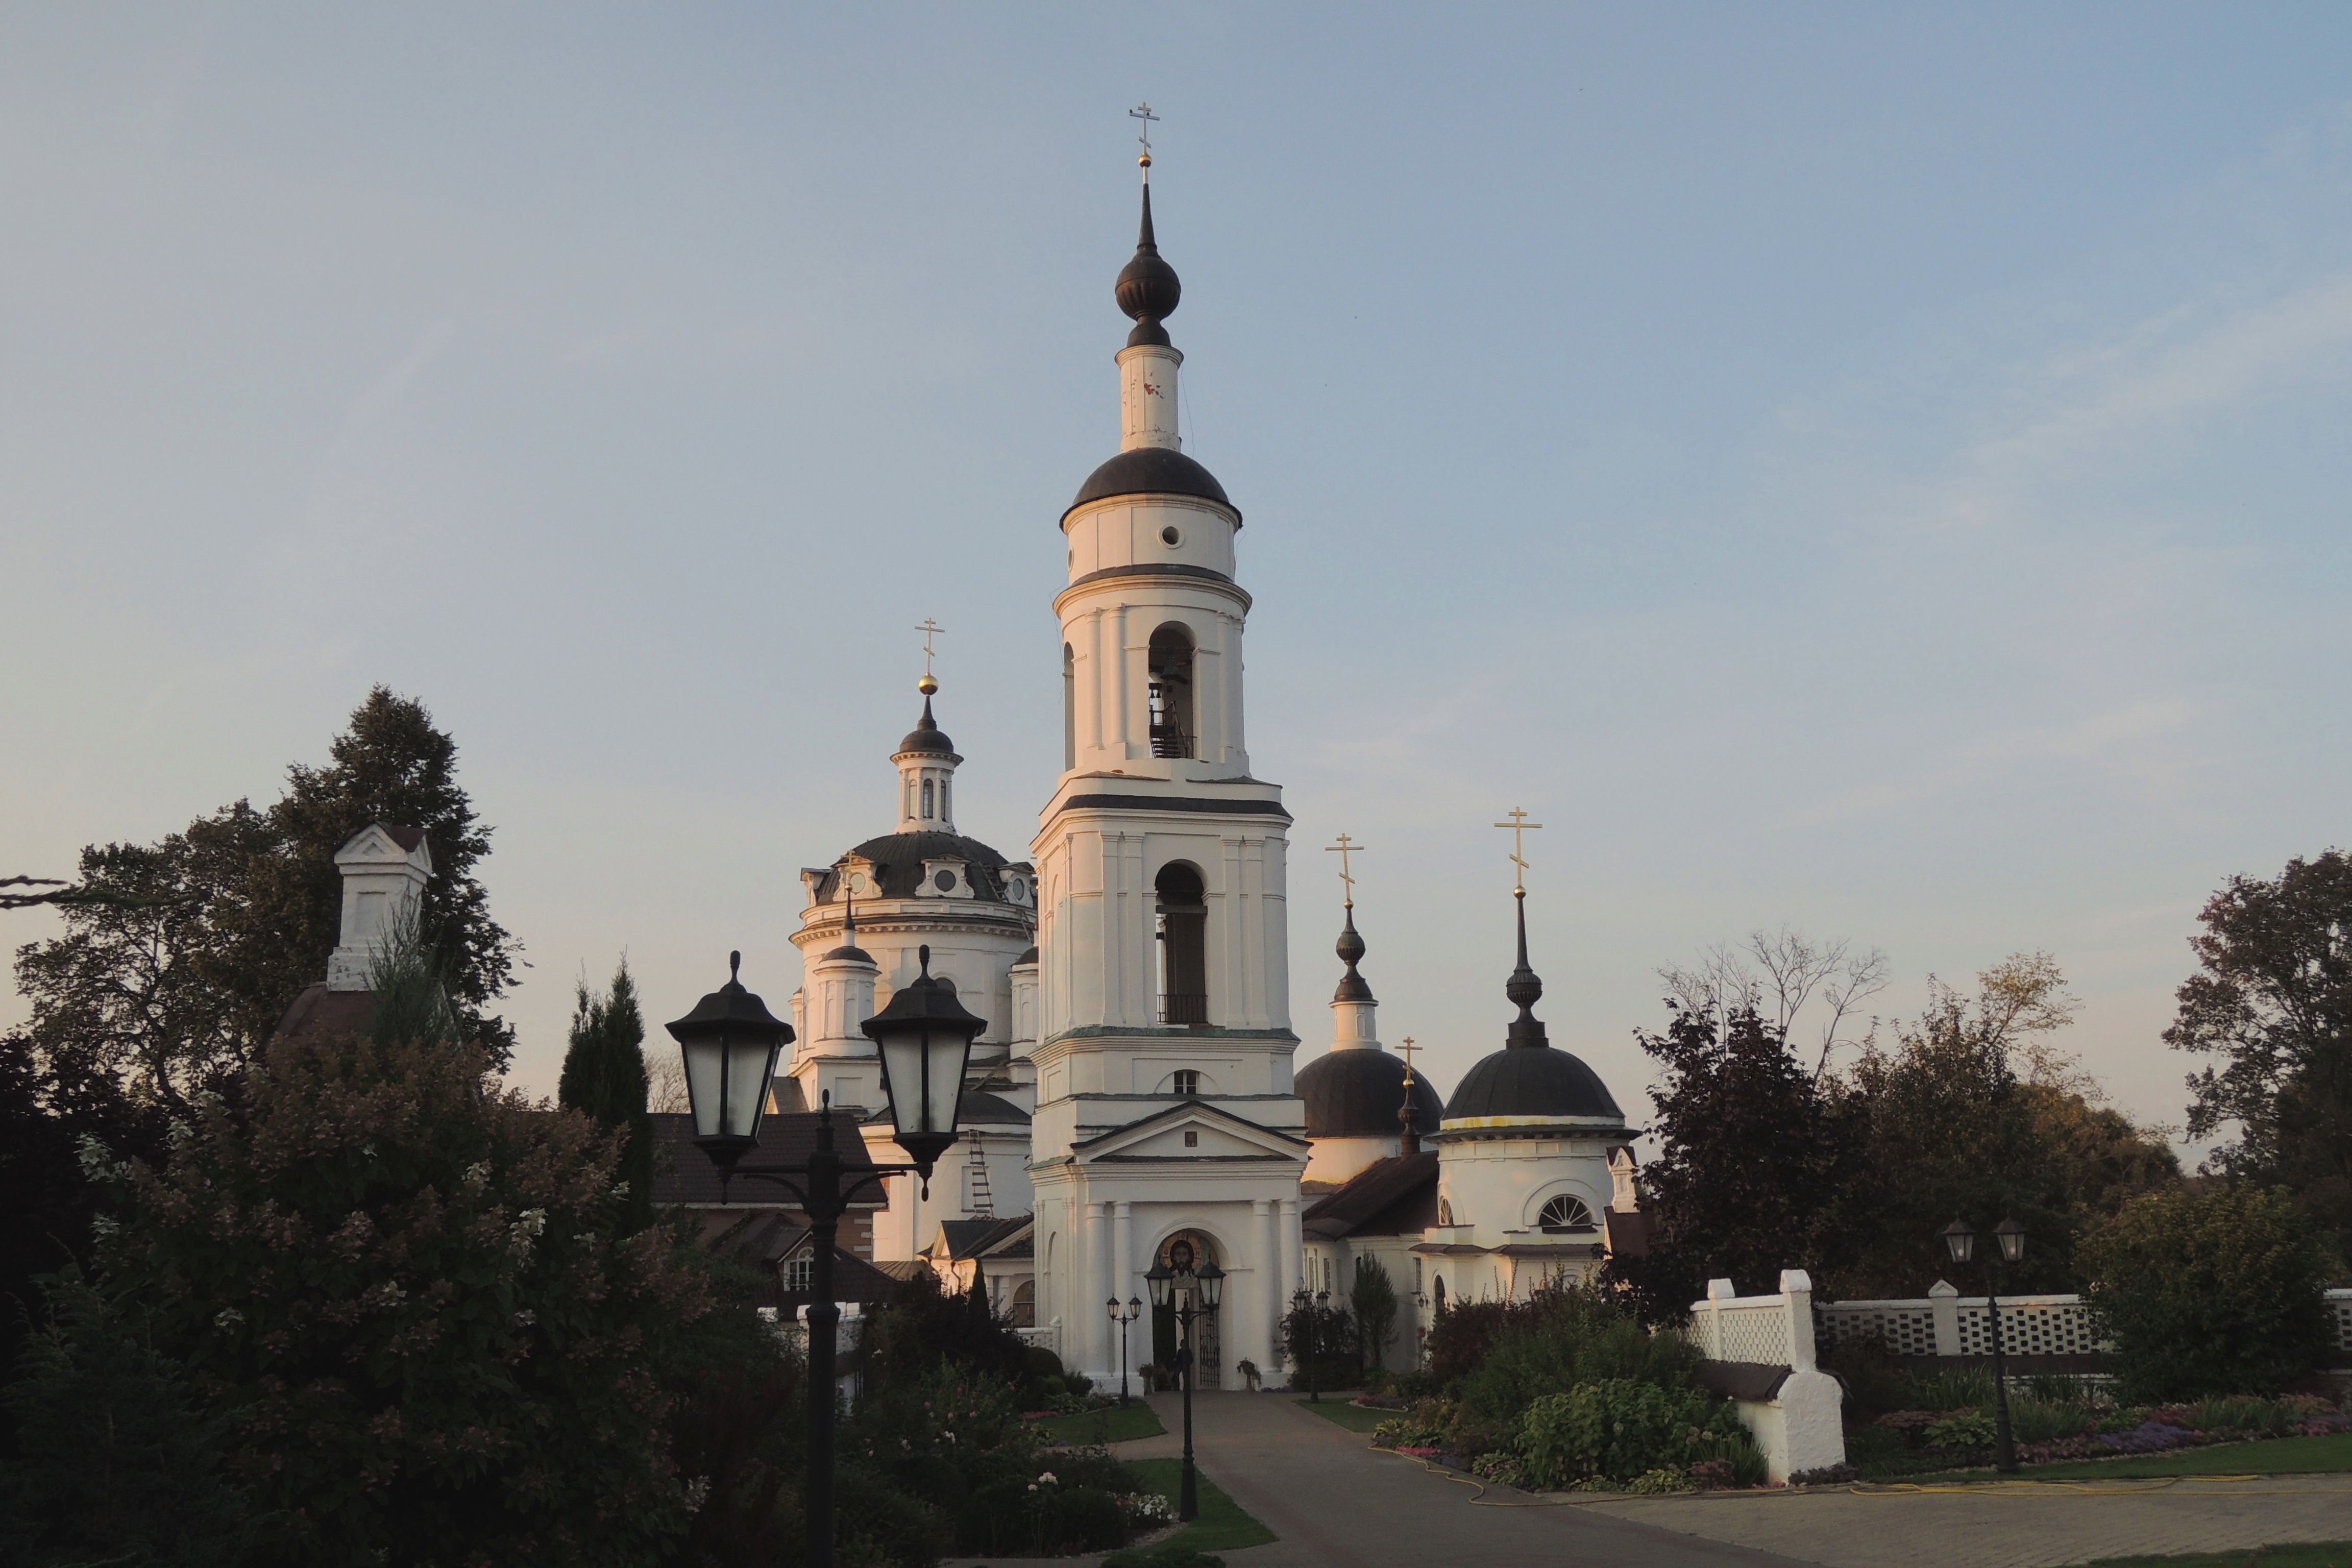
[[1183, 909], [1188, 1081], [1565, 1212], [1024, 1305], [1439, 1289], [911, 796], [1069, 708], [1444, 1211], [1172, 691], [926, 798], [947, 813]]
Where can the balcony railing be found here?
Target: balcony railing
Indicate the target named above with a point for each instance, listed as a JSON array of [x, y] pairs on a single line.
[[1169, 740], [1178, 1007]]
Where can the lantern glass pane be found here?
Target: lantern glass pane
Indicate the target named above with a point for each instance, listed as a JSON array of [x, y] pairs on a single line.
[[702, 1059], [747, 1085], [902, 1061]]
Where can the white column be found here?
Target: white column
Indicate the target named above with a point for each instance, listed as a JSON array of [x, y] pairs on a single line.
[[1287, 1250], [1087, 1308], [1118, 673], [1269, 1268], [1090, 689], [1122, 1255]]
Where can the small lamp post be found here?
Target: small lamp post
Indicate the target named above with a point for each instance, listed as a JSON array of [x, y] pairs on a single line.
[[1122, 1317], [1960, 1241], [729, 1042], [1194, 1294]]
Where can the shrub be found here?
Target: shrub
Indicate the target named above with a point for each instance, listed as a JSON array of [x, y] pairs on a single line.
[[1574, 1337], [1620, 1429], [1962, 1429], [904, 1528], [1079, 1384], [2213, 1292]]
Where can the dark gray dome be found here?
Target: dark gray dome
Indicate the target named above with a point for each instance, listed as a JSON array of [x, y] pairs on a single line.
[[1532, 1081], [1356, 1093], [1151, 471], [899, 859], [927, 736]]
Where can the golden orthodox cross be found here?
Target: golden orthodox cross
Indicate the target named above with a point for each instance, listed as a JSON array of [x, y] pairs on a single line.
[[1345, 847], [1143, 112], [929, 628], [1520, 827], [1406, 1051]]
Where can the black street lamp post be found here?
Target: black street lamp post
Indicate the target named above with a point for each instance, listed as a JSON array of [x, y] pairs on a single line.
[[1961, 1239], [729, 1042], [1133, 1311], [1194, 1294]]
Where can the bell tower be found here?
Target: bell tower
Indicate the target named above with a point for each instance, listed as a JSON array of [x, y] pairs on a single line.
[[1161, 936]]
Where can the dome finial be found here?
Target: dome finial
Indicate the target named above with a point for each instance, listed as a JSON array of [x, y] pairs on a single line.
[[1524, 989], [1148, 289]]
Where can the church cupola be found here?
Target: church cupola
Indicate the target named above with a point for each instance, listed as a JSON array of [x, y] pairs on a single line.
[[1530, 1082], [926, 763]]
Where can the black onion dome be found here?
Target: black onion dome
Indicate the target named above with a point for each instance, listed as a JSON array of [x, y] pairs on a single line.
[[1358, 1092], [1028, 955], [1148, 289], [1151, 471], [850, 951], [1351, 949], [926, 737], [1541, 1081], [898, 860]]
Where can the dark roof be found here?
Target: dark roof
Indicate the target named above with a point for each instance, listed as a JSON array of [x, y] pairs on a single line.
[[316, 1010], [1395, 1196], [853, 1279], [1028, 955], [899, 859], [1358, 1092], [785, 1139], [970, 1237], [1531, 1080], [1151, 471], [903, 1268], [926, 736], [408, 838], [784, 1095], [1629, 1233], [976, 1108], [1751, 1380]]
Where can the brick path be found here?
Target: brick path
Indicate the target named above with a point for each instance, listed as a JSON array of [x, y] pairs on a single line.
[[1337, 1504]]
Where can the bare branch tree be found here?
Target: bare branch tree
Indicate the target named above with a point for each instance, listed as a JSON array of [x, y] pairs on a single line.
[[1785, 969], [68, 896]]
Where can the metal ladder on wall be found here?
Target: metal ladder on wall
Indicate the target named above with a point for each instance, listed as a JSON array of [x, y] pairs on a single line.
[[983, 1206]]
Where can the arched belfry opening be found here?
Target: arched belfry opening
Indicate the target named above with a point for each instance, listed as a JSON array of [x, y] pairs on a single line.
[[1173, 729], [1184, 911]]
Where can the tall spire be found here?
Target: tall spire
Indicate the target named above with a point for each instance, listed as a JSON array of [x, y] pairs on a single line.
[[1524, 989], [1148, 289]]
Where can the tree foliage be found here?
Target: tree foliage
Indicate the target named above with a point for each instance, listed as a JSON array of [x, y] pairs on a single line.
[[175, 983], [605, 1076], [111, 1457], [405, 1291], [1372, 1297], [2273, 1000], [1757, 1161], [2219, 1292]]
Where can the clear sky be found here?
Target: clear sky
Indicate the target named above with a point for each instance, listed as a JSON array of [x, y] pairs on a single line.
[[1878, 469]]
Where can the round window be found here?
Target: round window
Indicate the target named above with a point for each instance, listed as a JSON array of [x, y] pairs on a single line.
[[1168, 535], [944, 881]]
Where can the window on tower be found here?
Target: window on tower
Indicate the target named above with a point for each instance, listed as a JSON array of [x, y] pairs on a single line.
[[1188, 1081], [1565, 1213], [1183, 913], [1172, 729], [927, 799]]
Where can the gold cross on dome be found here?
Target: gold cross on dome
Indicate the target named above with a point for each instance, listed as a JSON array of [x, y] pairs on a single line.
[[1521, 827], [929, 628], [1406, 1051], [1343, 849]]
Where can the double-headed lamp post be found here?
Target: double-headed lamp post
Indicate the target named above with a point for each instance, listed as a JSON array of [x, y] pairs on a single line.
[[729, 1042], [1194, 1294], [1961, 1239], [1123, 1316]]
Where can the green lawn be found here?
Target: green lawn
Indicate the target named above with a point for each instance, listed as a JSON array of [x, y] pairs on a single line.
[[1116, 1424], [1222, 1527], [2299, 1554], [2277, 1457], [1342, 1411]]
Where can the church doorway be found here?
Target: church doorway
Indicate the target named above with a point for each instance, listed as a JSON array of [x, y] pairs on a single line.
[[1189, 1249]]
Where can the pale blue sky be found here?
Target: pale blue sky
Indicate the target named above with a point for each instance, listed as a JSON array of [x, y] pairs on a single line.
[[1873, 469]]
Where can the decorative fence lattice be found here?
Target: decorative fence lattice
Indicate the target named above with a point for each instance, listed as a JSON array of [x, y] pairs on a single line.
[[2339, 1308], [1742, 1332], [2031, 1325], [1904, 1328]]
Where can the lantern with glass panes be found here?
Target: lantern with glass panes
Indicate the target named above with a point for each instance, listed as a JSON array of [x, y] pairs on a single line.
[[1960, 1241], [729, 1042]]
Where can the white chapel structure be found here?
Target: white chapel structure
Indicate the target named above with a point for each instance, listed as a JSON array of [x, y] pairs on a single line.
[[1133, 1099]]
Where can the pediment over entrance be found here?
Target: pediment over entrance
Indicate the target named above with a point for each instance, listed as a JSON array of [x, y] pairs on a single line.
[[1192, 1131]]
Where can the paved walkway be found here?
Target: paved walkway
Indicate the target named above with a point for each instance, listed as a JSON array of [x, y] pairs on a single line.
[[1336, 1503]]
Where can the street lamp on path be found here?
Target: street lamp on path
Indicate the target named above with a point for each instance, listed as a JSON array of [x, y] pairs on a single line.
[[1194, 1294], [1961, 1238], [729, 1042], [1133, 1311]]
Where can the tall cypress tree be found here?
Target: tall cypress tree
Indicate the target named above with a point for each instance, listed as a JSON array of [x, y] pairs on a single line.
[[605, 1076]]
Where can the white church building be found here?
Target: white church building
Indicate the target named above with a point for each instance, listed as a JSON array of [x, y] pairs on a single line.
[[1134, 1094]]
